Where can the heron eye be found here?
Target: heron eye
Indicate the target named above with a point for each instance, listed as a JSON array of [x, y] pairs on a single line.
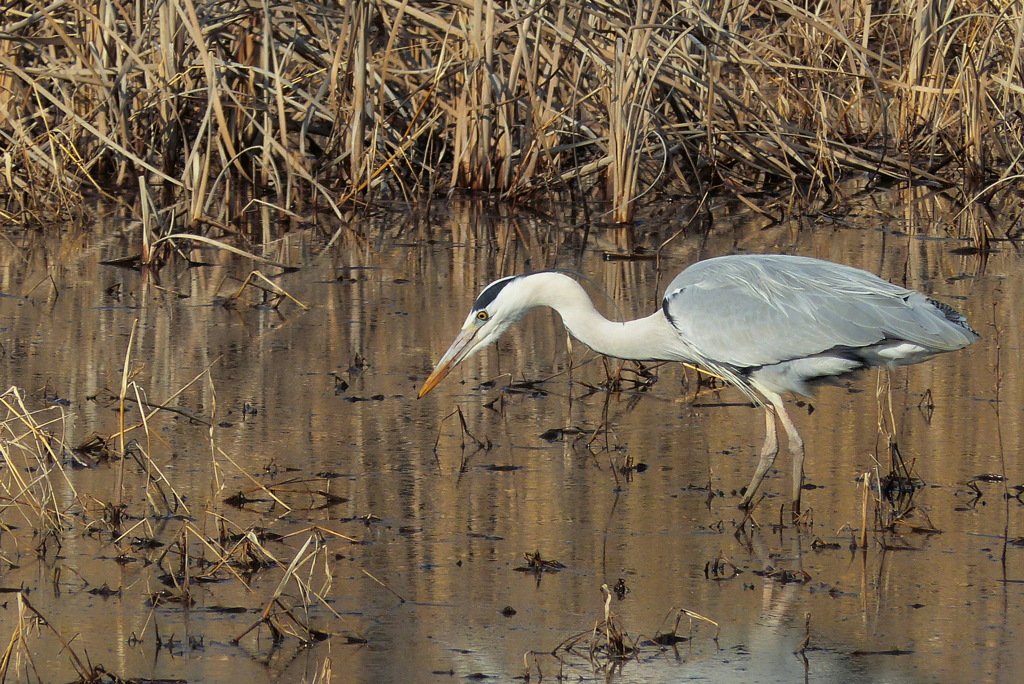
[[482, 316]]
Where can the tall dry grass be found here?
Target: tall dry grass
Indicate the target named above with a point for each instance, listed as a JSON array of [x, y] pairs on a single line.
[[191, 113]]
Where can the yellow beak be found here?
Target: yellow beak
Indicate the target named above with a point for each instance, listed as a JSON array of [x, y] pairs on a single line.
[[461, 348]]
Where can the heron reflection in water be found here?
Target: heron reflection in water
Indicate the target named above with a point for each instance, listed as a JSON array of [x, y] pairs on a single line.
[[768, 324]]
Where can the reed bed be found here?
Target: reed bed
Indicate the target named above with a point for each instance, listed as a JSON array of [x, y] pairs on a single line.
[[191, 114]]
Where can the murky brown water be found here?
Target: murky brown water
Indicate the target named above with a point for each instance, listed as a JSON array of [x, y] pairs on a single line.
[[450, 525]]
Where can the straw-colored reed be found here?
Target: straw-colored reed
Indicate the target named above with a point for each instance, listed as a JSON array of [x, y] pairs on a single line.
[[213, 108]]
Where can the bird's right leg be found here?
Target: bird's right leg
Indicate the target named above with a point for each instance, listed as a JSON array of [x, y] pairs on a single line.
[[768, 453], [796, 448]]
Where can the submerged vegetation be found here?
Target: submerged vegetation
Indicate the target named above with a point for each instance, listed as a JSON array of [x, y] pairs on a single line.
[[191, 113]]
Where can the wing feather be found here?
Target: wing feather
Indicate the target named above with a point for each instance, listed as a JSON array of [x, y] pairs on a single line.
[[756, 310]]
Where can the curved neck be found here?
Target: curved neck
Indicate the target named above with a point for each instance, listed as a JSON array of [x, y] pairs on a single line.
[[644, 339]]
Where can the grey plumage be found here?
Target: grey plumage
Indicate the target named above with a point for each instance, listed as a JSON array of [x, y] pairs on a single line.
[[791, 320], [769, 324]]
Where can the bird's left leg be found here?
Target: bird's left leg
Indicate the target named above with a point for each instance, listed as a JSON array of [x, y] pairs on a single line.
[[796, 446], [768, 453]]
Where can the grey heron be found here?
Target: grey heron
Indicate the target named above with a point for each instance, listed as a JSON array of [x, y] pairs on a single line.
[[768, 324]]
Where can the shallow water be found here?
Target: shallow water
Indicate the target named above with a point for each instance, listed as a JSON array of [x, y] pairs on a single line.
[[443, 529]]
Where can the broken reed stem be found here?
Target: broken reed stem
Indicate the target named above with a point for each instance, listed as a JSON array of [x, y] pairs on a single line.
[[27, 613], [271, 287], [217, 451], [163, 406], [119, 477], [218, 244], [397, 595], [807, 634], [865, 497], [33, 443], [997, 374], [683, 612]]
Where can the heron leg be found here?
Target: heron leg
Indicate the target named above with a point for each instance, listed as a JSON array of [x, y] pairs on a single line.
[[768, 453], [796, 448]]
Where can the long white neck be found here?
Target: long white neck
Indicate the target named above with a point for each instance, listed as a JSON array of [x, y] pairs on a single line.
[[644, 339]]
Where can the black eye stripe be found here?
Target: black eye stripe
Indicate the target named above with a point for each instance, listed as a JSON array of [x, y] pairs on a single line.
[[490, 292]]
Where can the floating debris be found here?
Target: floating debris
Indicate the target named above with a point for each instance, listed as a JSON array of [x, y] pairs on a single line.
[[495, 468], [721, 568], [784, 576], [535, 563]]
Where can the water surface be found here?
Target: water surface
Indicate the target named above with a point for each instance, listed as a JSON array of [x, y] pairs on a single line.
[[322, 401]]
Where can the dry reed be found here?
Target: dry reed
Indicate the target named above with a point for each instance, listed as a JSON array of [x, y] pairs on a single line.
[[144, 518], [192, 114]]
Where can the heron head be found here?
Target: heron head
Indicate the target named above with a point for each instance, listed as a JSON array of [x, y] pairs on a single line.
[[496, 308]]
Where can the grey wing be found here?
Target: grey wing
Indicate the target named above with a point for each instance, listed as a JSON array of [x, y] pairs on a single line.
[[750, 311]]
